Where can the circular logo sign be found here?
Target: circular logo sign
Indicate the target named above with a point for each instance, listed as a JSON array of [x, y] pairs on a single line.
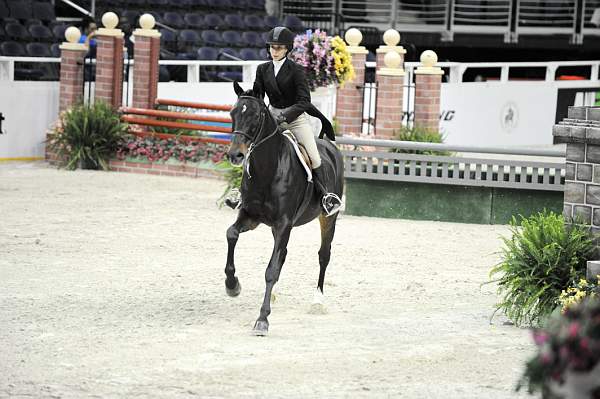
[[509, 117]]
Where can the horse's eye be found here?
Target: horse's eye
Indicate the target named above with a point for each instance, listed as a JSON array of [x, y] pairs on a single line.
[[244, 108]]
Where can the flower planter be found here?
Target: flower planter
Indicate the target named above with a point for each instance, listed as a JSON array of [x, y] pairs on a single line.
[[578, 385], [324, 99]]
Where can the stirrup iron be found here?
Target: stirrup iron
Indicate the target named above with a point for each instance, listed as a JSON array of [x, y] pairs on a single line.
[[333, 200]]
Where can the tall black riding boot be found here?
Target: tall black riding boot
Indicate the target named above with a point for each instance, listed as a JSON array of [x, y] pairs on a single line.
[[330, 202]]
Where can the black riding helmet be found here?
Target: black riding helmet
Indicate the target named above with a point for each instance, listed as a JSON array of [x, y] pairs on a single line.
[[281, 35]]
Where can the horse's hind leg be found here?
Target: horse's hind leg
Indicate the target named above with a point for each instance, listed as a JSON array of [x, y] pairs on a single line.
[[327, 232], [242, 224]]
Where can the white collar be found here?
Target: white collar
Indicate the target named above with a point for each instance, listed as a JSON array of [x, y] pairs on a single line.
[[278, 64]]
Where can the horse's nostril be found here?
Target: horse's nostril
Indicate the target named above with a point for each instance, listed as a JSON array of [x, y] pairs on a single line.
[[236, 158]]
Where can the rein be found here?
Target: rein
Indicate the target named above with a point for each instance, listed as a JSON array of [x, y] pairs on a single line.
[[253, 144]]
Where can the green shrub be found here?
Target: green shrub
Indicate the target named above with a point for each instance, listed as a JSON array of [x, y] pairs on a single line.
[[88, 136], [422, 135], [542, 258]]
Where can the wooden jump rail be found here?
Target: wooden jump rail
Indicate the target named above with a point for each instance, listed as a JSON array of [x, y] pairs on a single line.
[[188, 104], [147, 117]]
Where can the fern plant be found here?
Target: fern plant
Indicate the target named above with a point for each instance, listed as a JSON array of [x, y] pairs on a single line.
[[88, 136], [542, 258]]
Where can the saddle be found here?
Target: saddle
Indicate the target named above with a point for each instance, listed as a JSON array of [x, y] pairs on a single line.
[[300, 152]]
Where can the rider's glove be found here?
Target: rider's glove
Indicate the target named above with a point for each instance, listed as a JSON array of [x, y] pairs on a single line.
[[281, 119]]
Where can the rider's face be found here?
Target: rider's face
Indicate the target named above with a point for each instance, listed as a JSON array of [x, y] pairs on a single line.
[[277, 51]]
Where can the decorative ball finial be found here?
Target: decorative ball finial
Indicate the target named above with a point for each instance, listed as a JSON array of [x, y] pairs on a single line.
[[392, 59], [72, 34], [391, 37], [353, 37], [147, 21], [110, 20], [429, 58]]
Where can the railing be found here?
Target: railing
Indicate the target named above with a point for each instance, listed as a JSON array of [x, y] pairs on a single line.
[[510, 18], [531, 173]]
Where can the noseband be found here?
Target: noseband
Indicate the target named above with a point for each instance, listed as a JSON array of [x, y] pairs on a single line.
[[251, 139]]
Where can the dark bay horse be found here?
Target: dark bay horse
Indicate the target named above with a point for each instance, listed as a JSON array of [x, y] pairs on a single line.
[[275, 191]]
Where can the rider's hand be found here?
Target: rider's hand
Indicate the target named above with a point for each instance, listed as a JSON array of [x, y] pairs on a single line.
[[281, 119]]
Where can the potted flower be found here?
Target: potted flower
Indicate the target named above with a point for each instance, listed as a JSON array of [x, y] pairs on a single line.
[[327, 64], [567, 363]]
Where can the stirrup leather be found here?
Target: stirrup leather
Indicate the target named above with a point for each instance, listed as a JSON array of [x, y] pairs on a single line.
[[331, 203]]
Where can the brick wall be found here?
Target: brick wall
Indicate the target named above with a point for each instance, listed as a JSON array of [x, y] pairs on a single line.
[[349, 103], [388, 117], [71, 78], [145, 83], [581, 132], [160, 169], [427, 101], [109, 70]]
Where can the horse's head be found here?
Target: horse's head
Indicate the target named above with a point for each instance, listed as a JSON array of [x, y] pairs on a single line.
[[247, 117]]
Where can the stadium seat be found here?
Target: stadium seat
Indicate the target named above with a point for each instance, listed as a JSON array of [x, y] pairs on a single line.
[[254, 22], [207, 53], [263, 54], [20, 9], [213, 21], [258, 5], [218, 4], [238, 4], [44, 11], [55, 50], [234, 21], [12, 49], [2, 34], [249, 54], [174, 20], [16, 32], [59, 32], [41, 33], [271, 21], [232, 38], [230, 76], [293, 23], [38, 50], [188, 42], [4, 11], [211, 38], [229, 54], [252, 39], [194, 21], [168, 39], [131, 15]]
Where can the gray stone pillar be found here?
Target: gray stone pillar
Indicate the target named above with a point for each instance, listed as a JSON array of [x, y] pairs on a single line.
[[581, 131]]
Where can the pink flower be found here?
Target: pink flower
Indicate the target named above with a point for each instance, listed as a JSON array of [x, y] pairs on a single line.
[[573, 329], [540, 337]]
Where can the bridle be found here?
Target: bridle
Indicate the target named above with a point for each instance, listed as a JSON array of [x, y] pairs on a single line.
[[251, 139]]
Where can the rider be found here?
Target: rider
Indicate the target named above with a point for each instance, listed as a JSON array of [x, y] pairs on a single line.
[[284, 82]]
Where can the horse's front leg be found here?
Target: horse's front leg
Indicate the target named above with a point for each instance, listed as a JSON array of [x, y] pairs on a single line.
[[281, 235], [242, 224]]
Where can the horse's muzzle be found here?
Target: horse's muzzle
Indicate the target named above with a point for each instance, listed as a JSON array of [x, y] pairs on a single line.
[[236, 157]]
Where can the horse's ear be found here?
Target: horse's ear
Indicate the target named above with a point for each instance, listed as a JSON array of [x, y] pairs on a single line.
[[238, 89]]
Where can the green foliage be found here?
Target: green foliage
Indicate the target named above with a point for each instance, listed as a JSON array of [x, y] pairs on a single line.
[[172, 130], [542, 258], [422, 135], [233, 177], [88, 136]]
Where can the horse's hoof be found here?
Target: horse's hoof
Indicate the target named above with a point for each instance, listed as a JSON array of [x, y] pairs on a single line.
[[317, 308], [261, 328], [235, 291]]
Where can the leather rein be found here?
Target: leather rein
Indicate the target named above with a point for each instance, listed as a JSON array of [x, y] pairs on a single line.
[[253, 143]]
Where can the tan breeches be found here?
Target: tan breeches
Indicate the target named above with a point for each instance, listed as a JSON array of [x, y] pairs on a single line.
[[303, 131]]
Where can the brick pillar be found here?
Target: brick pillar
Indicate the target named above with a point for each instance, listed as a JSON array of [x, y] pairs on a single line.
[[390, 82], [145, 68], [428, 82], [72, 55], [391, 38], [349, 103], [581, 131], [109, 62]]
